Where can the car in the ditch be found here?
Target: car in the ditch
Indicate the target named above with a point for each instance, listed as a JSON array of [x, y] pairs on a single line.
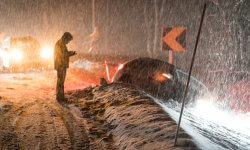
[[160, 79], [154, 76]]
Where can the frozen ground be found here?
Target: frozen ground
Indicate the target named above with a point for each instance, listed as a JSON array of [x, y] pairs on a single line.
[[108, 117], [211, 127], [30, 118], [211, 122]]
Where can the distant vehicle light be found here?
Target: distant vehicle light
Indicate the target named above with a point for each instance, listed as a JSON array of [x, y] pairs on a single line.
[[46, 52], [16, 54]]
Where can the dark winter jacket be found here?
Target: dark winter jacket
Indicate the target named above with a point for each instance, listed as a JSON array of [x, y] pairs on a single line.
[[61, 55]]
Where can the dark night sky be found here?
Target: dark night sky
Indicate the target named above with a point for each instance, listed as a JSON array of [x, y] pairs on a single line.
[[118, 20], [43, 18], [128, 26]]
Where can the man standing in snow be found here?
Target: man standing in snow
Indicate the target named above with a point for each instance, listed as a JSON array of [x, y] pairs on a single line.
[[61, 63]]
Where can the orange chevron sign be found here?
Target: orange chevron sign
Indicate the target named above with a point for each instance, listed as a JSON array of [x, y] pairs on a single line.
[[174, 39]]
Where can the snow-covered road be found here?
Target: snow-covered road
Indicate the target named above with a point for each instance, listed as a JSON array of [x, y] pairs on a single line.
[[31, 118], [212, 128]]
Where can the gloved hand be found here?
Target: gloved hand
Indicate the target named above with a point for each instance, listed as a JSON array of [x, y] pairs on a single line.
[[71, 53]]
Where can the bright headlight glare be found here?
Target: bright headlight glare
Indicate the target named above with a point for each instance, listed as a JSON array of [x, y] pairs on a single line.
[[46, 52], [16, 54]]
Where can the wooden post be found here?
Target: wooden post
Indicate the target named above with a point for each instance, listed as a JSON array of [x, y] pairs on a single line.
[[170, 59]]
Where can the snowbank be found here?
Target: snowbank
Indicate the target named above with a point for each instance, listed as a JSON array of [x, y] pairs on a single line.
[[119, 116]]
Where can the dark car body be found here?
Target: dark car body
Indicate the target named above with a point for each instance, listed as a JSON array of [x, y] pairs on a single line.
[[148, 74]]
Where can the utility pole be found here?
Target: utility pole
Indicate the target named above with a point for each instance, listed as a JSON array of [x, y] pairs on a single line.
[[93, 15]]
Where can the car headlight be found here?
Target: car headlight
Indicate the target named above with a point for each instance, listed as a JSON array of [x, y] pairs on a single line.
[[159, 76], [16, 54], [46, 52], [168, 75]]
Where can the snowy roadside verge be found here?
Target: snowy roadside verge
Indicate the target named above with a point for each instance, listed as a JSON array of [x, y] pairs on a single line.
[[121, 116]]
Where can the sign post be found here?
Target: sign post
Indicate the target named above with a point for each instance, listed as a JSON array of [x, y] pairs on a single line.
[[174, 40], [170, 57]]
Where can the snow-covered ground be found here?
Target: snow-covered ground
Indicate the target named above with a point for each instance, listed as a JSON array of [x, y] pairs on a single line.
[[212, 128], [28, 96]]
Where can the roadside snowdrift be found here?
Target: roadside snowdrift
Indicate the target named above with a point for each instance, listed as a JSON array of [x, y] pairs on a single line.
[[119, 116]]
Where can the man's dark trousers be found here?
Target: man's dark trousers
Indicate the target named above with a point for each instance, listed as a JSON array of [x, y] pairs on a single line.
[[61, 75]]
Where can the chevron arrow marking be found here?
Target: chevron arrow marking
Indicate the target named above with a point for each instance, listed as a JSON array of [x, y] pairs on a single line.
[[170, 39]]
